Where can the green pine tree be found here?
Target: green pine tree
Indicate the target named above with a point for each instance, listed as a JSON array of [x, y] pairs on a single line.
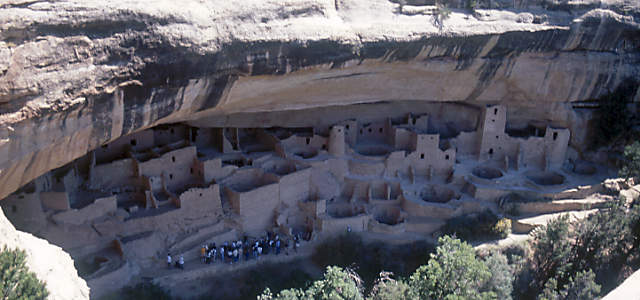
[[16, 281]]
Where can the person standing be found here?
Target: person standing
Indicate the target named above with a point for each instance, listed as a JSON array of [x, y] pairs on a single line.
[[181, 262], [169, 260]]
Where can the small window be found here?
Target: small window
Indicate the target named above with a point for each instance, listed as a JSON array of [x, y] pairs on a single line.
[[171, 176], [21, 197], [347, 127], [380, 130], [173, 159], [555, 136], [308, 141], [446, 157], [490, 151], [324, 147], [492, 120], [360, 131], [495, 111], [105, 146], [191, 170], [421, 155], [172, 131], [413, 121], [200, 194], [431, 138], [497, 137], [133, 142], [370, 130], [339, 130]]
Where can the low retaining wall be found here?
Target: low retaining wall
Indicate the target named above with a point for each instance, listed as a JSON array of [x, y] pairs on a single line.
[[98, 208], [330, 225]]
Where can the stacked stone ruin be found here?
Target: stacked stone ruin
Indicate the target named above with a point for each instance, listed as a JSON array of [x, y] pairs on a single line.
[[170, 188]]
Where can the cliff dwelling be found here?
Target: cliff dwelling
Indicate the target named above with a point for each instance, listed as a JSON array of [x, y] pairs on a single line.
[[135, 138], [172, 188]]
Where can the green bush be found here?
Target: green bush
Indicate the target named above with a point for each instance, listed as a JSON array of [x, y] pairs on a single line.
[[581, 286], [337, 284], [502, 228], [607, 242], [387, 288], [631, 161], [501, 280], [16, 281], [452, 272], [551, 250]]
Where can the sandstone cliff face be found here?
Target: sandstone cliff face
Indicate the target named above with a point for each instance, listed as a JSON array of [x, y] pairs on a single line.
[[50, 263], [77, 74]]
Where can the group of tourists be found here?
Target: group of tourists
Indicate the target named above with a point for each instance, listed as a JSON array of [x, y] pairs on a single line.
[[178, 264], [234, 251]]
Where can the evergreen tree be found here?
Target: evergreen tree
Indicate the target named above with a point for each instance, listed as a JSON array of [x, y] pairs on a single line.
[[631, 163], [16, 281]]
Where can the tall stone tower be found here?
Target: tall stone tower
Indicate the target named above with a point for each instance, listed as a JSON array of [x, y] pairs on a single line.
[[336, 141]]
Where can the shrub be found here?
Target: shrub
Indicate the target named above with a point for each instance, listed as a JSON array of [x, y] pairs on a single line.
[[387, 288], [580, 286], [337, 284], [607, 241], [454, 271], [551, 249], [16, 281], [501, 280], [631, 162], [502, 228]]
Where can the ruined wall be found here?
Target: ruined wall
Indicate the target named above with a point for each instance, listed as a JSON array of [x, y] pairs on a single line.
[[201, 199], [116, 149], [337, 226], [295, 187], [428, 159], [25, 211], [113, 174], [55, 200], [170, 134], [256, 207], [176, 167], [98, 208]]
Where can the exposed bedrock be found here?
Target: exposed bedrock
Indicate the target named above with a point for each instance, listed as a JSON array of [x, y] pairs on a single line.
[[75, 75]]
